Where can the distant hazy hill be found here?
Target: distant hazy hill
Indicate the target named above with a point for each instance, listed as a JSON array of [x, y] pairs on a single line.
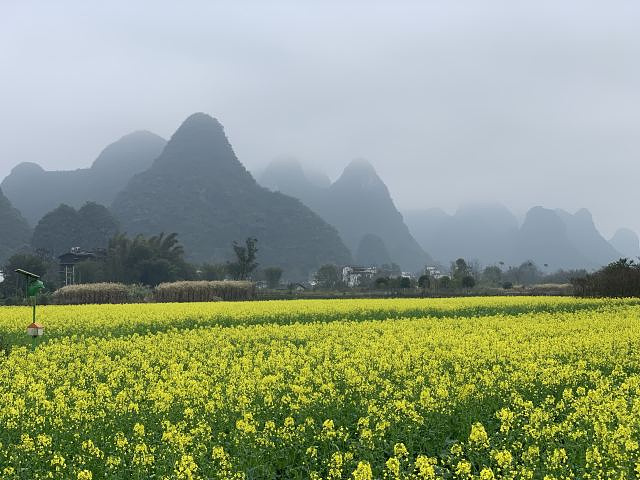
[[626, 242], [317, 177], [35, 191], [63, 228], [426, 225], [357, 204], [199, 189], [372, 251], [287, 176], [14, 230], [544, 239], [481, 232], [584, 235], [490, 234]]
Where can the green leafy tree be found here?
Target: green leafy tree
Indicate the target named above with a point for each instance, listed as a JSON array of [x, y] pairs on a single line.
[[170, 249], [89, 271], [213, 271], [117, 265], [167, 247], [530, 273], [156, 270], [149, 261], [382, 282], [424, 281], [525, 274], [328, 277], [273, 276], [245, 262], [459, 270], [618, 279], [468, 281], [492, 275]]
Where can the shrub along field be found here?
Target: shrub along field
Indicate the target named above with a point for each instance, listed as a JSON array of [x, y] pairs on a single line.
[[192, 291], [449, 388]]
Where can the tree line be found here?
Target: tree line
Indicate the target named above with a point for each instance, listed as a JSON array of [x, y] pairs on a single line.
[[160, 258], [462, 275], [618, 279], [137, 260]]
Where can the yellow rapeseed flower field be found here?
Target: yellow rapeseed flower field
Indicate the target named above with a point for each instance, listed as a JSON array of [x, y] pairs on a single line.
[[514, 388]]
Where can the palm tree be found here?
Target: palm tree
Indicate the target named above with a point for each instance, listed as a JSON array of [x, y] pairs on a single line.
[[167, 247]]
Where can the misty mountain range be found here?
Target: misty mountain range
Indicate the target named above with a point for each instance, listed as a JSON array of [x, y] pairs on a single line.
[[492, 234], [195, 185], [34, 191], [359, 205], [198, 188]]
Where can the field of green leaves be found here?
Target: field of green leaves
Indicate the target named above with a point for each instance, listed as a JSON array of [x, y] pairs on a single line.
[[544, 388]]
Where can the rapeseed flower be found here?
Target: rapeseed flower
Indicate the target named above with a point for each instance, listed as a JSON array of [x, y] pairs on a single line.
[[410, 388]]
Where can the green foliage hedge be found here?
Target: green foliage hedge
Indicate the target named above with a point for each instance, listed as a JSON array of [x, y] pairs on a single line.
[[618, 279]]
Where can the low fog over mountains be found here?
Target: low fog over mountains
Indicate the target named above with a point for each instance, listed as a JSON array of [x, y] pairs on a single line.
[[359, 205], [196, 186], [490, 234], [483, 232], [34, 191], [626, 242]]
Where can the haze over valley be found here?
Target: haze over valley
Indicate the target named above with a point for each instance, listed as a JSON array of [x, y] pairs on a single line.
[[195, 186], [408, 134]]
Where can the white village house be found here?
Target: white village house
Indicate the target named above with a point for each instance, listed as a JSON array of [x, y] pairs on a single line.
[[352, 275]]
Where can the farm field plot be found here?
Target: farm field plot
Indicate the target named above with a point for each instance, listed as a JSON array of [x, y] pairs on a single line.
[[411, 388]]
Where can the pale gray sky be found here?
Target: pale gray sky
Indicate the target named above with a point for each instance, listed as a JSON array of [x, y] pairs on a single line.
[[525, 103]]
